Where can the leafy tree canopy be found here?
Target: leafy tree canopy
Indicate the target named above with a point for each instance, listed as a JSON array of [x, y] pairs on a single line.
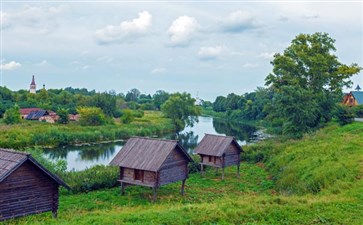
[[307, 80], [309, 63], [181, 108]]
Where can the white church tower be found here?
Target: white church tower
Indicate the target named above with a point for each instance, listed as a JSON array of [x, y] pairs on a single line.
[[33, 86]]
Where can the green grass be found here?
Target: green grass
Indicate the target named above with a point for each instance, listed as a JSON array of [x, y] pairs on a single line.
[[34, 133], [277, 191]]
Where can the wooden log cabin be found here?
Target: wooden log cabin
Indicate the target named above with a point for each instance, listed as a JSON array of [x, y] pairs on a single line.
[[219, 151], [26, 187], [152, 163]]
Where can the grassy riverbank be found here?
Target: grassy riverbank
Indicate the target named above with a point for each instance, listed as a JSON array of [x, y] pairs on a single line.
[[315, 180], [34, 133]]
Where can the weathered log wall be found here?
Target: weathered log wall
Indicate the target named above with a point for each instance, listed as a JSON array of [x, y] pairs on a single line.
[[174, 168], [27, 191]]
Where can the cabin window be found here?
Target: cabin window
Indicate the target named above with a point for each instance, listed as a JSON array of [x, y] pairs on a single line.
[[212, 159], [351, 100], [139, 175]]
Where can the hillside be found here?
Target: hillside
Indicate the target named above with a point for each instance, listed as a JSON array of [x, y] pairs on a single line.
[[315, 180]]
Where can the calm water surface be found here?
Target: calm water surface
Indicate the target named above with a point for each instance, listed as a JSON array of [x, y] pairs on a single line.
[[82, 157]]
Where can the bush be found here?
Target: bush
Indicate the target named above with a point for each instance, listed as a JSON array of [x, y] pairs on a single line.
[[127, 116], [91, 116], [358, 111], [344, 114], [12, 115], [94, 178], [138, 113]]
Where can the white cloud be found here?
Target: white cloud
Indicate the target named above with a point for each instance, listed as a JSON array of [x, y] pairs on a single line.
[[158, 70], [239, 21], [42, 63], [250, 65], [127, 30], [267, 55], [208, 53], [41, 19], [10, 65], [182, 30]]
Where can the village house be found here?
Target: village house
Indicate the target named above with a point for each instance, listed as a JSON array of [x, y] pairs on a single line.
[[219, 151], [26, 187], [24, 112], [152, 163], [353, 98]]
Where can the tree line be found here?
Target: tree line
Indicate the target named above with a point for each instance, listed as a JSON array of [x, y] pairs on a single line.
[[97, 108]]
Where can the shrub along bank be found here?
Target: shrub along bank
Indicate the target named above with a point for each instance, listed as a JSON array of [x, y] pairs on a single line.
[[34, 133]]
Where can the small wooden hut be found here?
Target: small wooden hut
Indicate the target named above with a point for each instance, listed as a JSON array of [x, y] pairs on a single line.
[[219, 151], [26, 187], [152, 163]]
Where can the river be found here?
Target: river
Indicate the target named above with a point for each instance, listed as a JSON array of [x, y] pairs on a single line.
[[82, 157]]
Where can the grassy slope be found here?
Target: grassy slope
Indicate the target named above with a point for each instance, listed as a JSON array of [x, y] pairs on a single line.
[[252, 199], [33, 133]]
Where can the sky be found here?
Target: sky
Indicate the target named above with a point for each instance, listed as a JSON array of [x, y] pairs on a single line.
[[206, 48]]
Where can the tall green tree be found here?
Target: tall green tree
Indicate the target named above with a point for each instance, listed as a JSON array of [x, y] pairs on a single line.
[[12, 115], [63, 116], [307, 67], [181, 109]]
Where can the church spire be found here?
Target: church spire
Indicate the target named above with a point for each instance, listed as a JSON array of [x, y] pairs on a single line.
[[33, 86], [358, 88]]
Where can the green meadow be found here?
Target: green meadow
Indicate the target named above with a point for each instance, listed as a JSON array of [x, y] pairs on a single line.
[[314, 180]]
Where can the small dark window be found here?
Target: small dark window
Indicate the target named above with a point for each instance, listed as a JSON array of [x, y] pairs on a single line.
[[351, 100], [210, 158], [214, 159], [139, 175]]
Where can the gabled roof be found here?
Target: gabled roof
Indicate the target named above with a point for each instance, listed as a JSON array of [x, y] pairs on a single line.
[[146, 153], [10, 160], [35, 115], [26, 111], [358, 95], [215, 145]]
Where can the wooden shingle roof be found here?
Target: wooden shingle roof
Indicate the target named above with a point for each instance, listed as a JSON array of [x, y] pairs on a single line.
[[146, 153], [215, 145], [10, 160]]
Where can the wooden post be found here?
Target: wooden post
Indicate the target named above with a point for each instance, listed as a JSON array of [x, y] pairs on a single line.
[[154, 194], [201, 170], [122, 188], [55, 214], [238, 167], [223, 167], [182, 187], [55, 205], [223, 173]]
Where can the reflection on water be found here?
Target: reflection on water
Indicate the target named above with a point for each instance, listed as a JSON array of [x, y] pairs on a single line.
[[82, 157]]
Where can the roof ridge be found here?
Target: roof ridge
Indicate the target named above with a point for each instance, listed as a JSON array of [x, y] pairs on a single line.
[[224, 136], [14, 151], [155, 139]]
